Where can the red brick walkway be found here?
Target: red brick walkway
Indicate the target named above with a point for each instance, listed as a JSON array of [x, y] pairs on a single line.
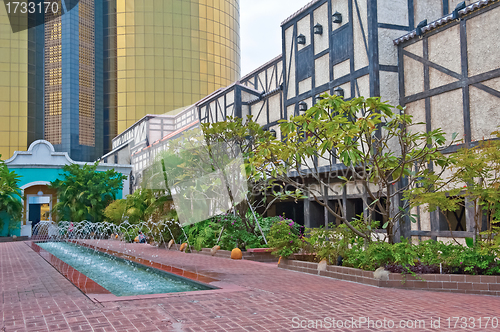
[[35, 297]]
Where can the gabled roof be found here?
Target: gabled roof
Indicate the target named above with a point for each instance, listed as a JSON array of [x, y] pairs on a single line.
[[221, 91], [258, 69], [300, 11], [41, 154]]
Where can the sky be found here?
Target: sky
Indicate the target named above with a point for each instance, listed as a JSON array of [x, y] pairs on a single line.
[[260, 29]]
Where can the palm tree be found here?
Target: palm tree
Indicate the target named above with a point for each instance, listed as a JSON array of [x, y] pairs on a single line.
[[10, 197]]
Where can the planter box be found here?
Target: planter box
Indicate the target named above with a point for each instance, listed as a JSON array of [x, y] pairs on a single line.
[[257, 250], [456, 283], [263, 255], [259, 255], [304, 257]]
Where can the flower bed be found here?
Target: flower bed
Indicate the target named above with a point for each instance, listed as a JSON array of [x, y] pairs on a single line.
[[456, 283]]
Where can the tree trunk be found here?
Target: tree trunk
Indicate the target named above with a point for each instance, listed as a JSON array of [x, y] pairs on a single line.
[[390, 234], [241, 210]]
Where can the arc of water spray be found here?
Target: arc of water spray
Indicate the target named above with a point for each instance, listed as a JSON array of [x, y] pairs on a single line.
[[187, 240], [170, 231]]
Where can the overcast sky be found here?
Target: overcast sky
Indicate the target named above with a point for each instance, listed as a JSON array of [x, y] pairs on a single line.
[[261, 31]]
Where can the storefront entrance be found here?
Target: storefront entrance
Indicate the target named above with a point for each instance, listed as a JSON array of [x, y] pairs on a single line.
[[39, 208], [38, 203]]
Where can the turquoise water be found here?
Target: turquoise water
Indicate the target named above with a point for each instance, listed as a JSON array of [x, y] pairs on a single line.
[[120, 277]]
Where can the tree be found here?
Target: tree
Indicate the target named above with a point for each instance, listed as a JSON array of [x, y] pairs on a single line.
[[213, 150], [85, 192], [242, 137], [145, 204], [361, 141], [10, 197], [473, 184]]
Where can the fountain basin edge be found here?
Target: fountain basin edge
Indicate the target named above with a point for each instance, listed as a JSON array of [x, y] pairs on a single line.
[[97, 293]]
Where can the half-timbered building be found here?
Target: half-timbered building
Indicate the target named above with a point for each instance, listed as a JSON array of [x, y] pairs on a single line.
[[438, 58]]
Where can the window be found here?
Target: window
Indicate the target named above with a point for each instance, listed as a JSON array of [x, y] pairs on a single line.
[[453, 220]]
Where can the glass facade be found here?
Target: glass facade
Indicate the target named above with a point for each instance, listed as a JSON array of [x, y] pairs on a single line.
[[87, 73], [109, 70], [13, 87], [73, 81], [82, 78], [170, 54], [53, 78]]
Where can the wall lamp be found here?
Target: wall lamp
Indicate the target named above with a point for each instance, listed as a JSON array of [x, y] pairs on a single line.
[[418, 30], [302, 106], [338, 91], [337, 17], [318, 29], [458, 8], [318, 97], [301, 39]]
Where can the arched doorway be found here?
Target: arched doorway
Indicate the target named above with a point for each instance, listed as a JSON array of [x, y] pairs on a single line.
[[39, 200]]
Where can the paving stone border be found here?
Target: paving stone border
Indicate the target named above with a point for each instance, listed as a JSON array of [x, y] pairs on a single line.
[[11, 239], [456, 283]]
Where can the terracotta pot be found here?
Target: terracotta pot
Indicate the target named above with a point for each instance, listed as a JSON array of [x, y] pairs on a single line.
[[183, 246]]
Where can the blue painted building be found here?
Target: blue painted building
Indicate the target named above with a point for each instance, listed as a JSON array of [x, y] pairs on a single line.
[[37, 167]]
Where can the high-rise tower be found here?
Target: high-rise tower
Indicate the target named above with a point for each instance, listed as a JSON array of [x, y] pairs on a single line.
[[73, 81], [172, 53], [13, 87], [82, 77]]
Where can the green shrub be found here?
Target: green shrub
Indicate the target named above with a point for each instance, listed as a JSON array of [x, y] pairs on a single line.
[[451, 257], [116, 211], [234, 234], [325, 243], [266, 223], [203, 234], [284, 236], [463, 259], [375, 255]]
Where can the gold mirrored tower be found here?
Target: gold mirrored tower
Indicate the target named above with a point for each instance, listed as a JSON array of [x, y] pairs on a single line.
[[13, 87], [170, 54], [148, 57]]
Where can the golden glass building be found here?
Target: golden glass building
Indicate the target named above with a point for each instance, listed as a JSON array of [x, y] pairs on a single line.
[[79, 78], [13, 87], [170, 54]]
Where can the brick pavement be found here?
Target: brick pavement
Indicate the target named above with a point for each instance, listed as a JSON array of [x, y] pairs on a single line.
[[35, 297]]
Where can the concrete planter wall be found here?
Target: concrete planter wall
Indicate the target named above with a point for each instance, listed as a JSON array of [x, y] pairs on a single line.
[[456, 283]]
